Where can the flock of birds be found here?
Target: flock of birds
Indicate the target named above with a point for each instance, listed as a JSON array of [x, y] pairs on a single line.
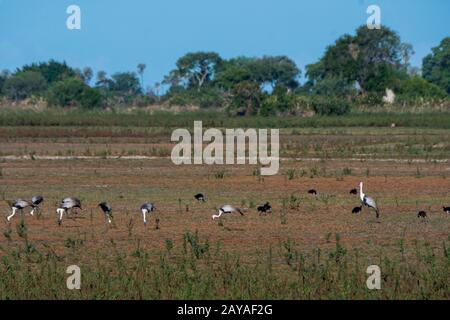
[[71, 203]]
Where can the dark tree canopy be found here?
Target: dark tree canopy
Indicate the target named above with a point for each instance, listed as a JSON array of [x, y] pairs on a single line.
[[72, 92], [436, 65], [24, 84], [194, 70], [52, 71], [364, 58], [268, 70], [125, 83]]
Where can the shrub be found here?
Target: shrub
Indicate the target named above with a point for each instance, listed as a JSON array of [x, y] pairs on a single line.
[[330, 105], [417, 87], [73, 92], [23, 84]]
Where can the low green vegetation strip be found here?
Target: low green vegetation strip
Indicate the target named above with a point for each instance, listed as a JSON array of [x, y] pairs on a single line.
[[196, 269], [218, 119]]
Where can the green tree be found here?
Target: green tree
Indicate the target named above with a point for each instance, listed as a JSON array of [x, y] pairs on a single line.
[[52, 71], [72, 92], [4, 75], [125, 84], [366, 58], [101, 78], [280, 101], [23, 84], [418, 88], [194, 70], [87, 75], [268, 70], [275, 71], [246, 98], [141, 68], [436, 65]]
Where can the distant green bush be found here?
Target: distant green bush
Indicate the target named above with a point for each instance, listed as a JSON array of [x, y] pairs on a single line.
[[24, 84], [327, 106], [73, 92], [418, 88]]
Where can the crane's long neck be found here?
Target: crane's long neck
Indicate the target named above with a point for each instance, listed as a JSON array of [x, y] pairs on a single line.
[[361, 194]]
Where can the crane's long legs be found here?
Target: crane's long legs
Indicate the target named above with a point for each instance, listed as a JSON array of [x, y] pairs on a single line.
[[144, 213], [60, 211], [217, 216], [14, 209]]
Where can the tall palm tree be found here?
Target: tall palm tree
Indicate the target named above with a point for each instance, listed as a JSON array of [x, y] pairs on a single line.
[[141, 68]]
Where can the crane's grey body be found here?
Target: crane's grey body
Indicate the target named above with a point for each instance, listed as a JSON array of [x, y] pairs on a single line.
[[65, 205], [227, 209], [107, 210], [18, 205], [147, 208], [368, 201], [35, 202]]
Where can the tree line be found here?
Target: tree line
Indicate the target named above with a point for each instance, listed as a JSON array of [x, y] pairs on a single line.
[[355, 70]]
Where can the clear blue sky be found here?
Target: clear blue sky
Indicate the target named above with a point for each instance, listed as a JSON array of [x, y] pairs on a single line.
[[117, 35]]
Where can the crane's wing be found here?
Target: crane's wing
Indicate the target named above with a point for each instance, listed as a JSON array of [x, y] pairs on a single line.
[[37, 200], [368, 201], [71, 202], [19, 203], [149, 206], [108, 207]]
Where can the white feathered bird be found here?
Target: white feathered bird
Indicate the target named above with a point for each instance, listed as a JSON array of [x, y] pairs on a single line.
[[227, 209], [368, 201], [147, 208], [65, 205], [17, 205]]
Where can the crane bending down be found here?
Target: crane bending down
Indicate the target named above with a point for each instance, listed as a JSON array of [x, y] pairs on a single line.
[[107, 210], [65, 205], [227, 209], [147, 208], [18, 205], [35, 201], [368, 201]]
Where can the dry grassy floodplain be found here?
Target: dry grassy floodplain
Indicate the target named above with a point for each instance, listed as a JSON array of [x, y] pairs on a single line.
[[405, 170]]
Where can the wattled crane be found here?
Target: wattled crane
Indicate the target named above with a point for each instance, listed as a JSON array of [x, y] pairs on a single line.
[[65, 205], [18, 205], [368, 201], [227, 209], [147, 208], [107, 210], [35, 202]]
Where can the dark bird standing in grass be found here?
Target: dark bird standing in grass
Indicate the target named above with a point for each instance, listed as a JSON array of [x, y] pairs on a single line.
[[264, 208], [147, 208], [200, 197], [107, 210], [312, 191], [422, 214], [446, 209], [354, 191], [65, 205], [357, 209]]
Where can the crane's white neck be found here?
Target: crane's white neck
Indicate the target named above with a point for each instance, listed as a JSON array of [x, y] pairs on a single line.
[[361, 194]]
